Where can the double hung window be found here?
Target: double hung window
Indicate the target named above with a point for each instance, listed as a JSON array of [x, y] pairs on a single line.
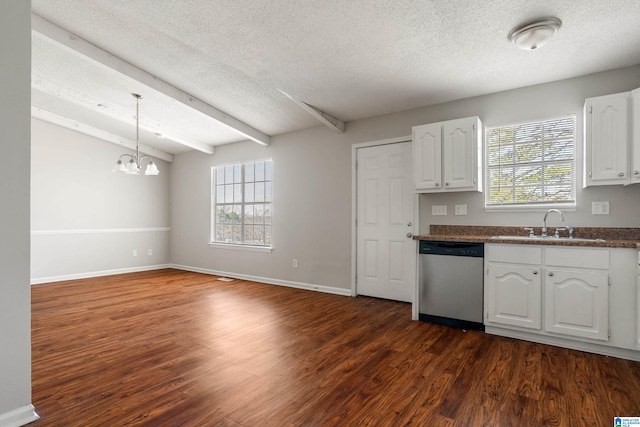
[[242, 203], [531, 164]]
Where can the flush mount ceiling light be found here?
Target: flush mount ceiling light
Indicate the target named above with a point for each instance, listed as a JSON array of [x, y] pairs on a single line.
[[535, 34], [133, 166]]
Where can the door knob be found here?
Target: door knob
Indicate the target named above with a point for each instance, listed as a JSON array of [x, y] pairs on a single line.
[[409, 235]]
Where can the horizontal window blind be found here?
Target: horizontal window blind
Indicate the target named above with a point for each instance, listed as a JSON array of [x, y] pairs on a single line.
[[531, 163]]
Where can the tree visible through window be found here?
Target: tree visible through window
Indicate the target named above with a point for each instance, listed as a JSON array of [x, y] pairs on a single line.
[[531, 163], [243, 203]]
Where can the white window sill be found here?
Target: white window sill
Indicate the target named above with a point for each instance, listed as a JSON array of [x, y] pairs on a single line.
[[248, 248]]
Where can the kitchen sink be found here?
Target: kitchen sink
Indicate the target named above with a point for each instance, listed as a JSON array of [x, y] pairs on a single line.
[[555, 239]]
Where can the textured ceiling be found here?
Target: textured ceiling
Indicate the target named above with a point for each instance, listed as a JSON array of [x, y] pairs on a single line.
[[351, 59]]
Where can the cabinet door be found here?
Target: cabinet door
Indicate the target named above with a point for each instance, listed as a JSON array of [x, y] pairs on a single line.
[[459, 159], [513, 295], [606, 139], [427, 159], [635, 140], [577, 303]]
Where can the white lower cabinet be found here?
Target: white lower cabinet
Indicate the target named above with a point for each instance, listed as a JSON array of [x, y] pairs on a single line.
[[548, 290], [514, 296], [576, 303]]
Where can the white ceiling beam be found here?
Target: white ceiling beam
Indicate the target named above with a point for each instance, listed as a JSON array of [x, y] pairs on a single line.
[[65, 122], [47, 86], [327, 119], [81, 47]]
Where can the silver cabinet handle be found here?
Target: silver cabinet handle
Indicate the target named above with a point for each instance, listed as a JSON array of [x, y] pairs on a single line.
[[636, 172], [535, 271], [437, 184], [550, 274], [409, 235], [446, 184]]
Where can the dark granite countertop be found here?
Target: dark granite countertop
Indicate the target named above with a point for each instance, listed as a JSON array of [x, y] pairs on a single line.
[[614, 237]]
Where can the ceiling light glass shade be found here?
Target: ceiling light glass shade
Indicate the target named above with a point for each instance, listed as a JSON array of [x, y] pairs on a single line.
[[535, 34], [152, 169], [132, 168], [119, 167]]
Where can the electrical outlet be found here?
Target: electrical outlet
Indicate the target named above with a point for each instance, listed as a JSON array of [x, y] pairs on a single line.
[[149, 252], [438, 209], [600, 208], [295, 263], [135, 252], [461, 209]]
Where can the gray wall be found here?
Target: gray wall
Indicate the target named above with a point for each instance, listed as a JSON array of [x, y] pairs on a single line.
[[312, 184], [87, 220], [15, 310]]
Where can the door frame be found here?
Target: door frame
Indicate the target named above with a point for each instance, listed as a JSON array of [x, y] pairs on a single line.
[[354, 215]]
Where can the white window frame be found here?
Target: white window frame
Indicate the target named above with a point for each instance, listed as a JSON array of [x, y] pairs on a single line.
[[214, 203], [533, 206]]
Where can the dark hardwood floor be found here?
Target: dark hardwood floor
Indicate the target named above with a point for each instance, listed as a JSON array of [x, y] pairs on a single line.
[[173, 348]]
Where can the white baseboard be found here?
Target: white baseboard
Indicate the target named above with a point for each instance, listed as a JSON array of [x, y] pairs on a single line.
[[90, 274], [19, 417], [287, 283]]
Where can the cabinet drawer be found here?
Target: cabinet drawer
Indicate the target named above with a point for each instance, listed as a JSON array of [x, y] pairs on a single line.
[[574, 257], [513, 254]]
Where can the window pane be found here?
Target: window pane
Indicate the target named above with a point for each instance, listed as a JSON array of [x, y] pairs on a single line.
[[248, 193], [259, 194], [236, 216], [237, 169], [528, 175], [219, 176], [527, 153], [528, 194], [267, 214], [236, 234], [228, 193], [558, 150], [560, 173], [267, 235], [268, 165], [248, 214], [267, 191], [220, 215], [259, 214], [237, 193], [259, 171], [228, 174], [248, 234], [248, 172], [258, 231], [220, 194]]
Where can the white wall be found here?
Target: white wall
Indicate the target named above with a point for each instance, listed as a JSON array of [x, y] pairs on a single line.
[[312, 184], [15, 310], [87, 220]]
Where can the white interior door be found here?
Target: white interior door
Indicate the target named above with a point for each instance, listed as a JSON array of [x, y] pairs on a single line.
[[385, 252]]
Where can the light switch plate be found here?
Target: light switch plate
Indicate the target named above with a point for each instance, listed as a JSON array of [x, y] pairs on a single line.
[[438, 209], [461, 209], [600, 208]]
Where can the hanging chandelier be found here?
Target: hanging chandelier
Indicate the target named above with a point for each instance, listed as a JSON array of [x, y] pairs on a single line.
[[133, 165]]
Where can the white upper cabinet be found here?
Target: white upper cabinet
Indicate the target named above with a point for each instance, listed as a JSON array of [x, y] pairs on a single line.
[[427, 164], [447, 156], [607, 139], [635, 137], [612, 139]]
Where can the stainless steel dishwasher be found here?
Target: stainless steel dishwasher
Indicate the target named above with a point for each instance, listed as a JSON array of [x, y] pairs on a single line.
[[451, 283]]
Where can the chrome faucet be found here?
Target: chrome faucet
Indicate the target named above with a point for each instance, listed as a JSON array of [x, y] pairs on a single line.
[[544, 221]]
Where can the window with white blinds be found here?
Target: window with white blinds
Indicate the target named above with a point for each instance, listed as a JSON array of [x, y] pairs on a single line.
[[531, 164]]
